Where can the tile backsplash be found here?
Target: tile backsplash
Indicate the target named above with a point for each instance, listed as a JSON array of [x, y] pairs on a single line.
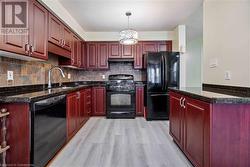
[[114, 68], [31, 73]]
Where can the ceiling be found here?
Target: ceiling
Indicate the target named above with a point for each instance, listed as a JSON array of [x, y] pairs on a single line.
[[147, 15]]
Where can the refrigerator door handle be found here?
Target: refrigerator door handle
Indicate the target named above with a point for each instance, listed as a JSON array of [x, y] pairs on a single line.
[[165, 73], [162, 73]]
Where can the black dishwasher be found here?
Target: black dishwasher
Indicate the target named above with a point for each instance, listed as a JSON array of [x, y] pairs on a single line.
[[48, 129]]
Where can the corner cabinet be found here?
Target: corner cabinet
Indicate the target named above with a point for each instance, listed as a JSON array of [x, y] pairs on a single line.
[[34, 44]]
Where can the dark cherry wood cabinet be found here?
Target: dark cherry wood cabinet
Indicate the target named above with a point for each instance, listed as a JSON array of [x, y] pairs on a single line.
[[91, 54], [139, 101], [72, 114], [83, 55], [176, 118], [102, 58], [98, 101], [194, 128], [127, 51], [138, 56], [97, 55], [38, 27], [114, 50], [188, 127], [34, 43], [18, 134], [210, 134], [76, 54], [149, 47], [59, 37], [87, 102]]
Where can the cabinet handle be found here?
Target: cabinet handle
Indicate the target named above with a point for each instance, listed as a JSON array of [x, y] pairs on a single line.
[[3, 112], [184, 100], [181, 101], [32, 49], [2, 150], [27, 48]]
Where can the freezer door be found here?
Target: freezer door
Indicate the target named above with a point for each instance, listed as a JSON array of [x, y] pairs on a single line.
[[174, 69]]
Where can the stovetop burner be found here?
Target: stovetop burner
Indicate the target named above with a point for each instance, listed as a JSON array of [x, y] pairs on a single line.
[[121, 82]]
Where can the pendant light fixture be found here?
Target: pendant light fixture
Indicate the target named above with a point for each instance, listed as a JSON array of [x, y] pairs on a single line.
[[128, 36]]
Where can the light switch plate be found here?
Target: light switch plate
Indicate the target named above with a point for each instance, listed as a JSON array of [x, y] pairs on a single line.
[[10, 76], [103, 77], [69, 76], [227, 75]]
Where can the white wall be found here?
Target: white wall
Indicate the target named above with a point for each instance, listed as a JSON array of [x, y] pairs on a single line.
[[194, 62], [227, 39]]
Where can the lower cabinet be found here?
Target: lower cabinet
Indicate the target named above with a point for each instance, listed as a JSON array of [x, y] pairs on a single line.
[[17, 134], [78, 110], [72, 113], [188, 127], [98, 101], [139, 100]]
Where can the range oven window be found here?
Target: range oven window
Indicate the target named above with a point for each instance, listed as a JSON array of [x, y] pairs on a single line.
[[120, 99]]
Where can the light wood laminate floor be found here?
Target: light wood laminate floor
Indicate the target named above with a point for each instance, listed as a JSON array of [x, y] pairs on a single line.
[[121, 143]]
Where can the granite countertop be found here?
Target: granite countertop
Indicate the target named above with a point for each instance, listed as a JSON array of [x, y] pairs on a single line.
[[211, 97], [28, 97]]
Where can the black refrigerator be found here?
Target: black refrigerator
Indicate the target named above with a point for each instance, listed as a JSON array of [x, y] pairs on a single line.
[[162, 72]]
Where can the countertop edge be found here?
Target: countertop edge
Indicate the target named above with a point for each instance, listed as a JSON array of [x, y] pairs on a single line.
[[226, 100]]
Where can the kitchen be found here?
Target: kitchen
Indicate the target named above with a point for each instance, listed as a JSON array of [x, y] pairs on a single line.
[[124, 86]]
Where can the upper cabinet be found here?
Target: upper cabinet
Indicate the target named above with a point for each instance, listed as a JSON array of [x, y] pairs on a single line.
[[97, 55], [138, 56], [38, 31], [150, 47], [114, 50], [118, 51], [76, 54], [34, 43], [59, 37]]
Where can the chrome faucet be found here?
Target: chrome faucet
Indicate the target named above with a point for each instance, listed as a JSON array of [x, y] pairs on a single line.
[[58, 68]]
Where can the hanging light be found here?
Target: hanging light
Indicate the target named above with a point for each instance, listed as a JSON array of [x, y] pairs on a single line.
[[128, 36]]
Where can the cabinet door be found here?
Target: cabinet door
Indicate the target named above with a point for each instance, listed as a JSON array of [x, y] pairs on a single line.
[[139, 101], [194, 130], [127, 51], [55, 31], [79, 53], [82, 107], [88, 103], [138, 56], [38, 19], [176, 119], [150, 47], [103, 56], [67, 37], [114, 50], [72, 111], [165, 46], [74, 52], [91, 55], [98, 101], [18, 133], [83, 55]]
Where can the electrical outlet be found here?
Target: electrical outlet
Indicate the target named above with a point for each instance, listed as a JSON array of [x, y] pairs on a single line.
[[227, 75], [103, 77], [69, 76], [10, 76]]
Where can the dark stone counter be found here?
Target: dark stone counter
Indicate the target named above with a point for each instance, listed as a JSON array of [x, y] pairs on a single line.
[[211, 97], [28, 94]]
